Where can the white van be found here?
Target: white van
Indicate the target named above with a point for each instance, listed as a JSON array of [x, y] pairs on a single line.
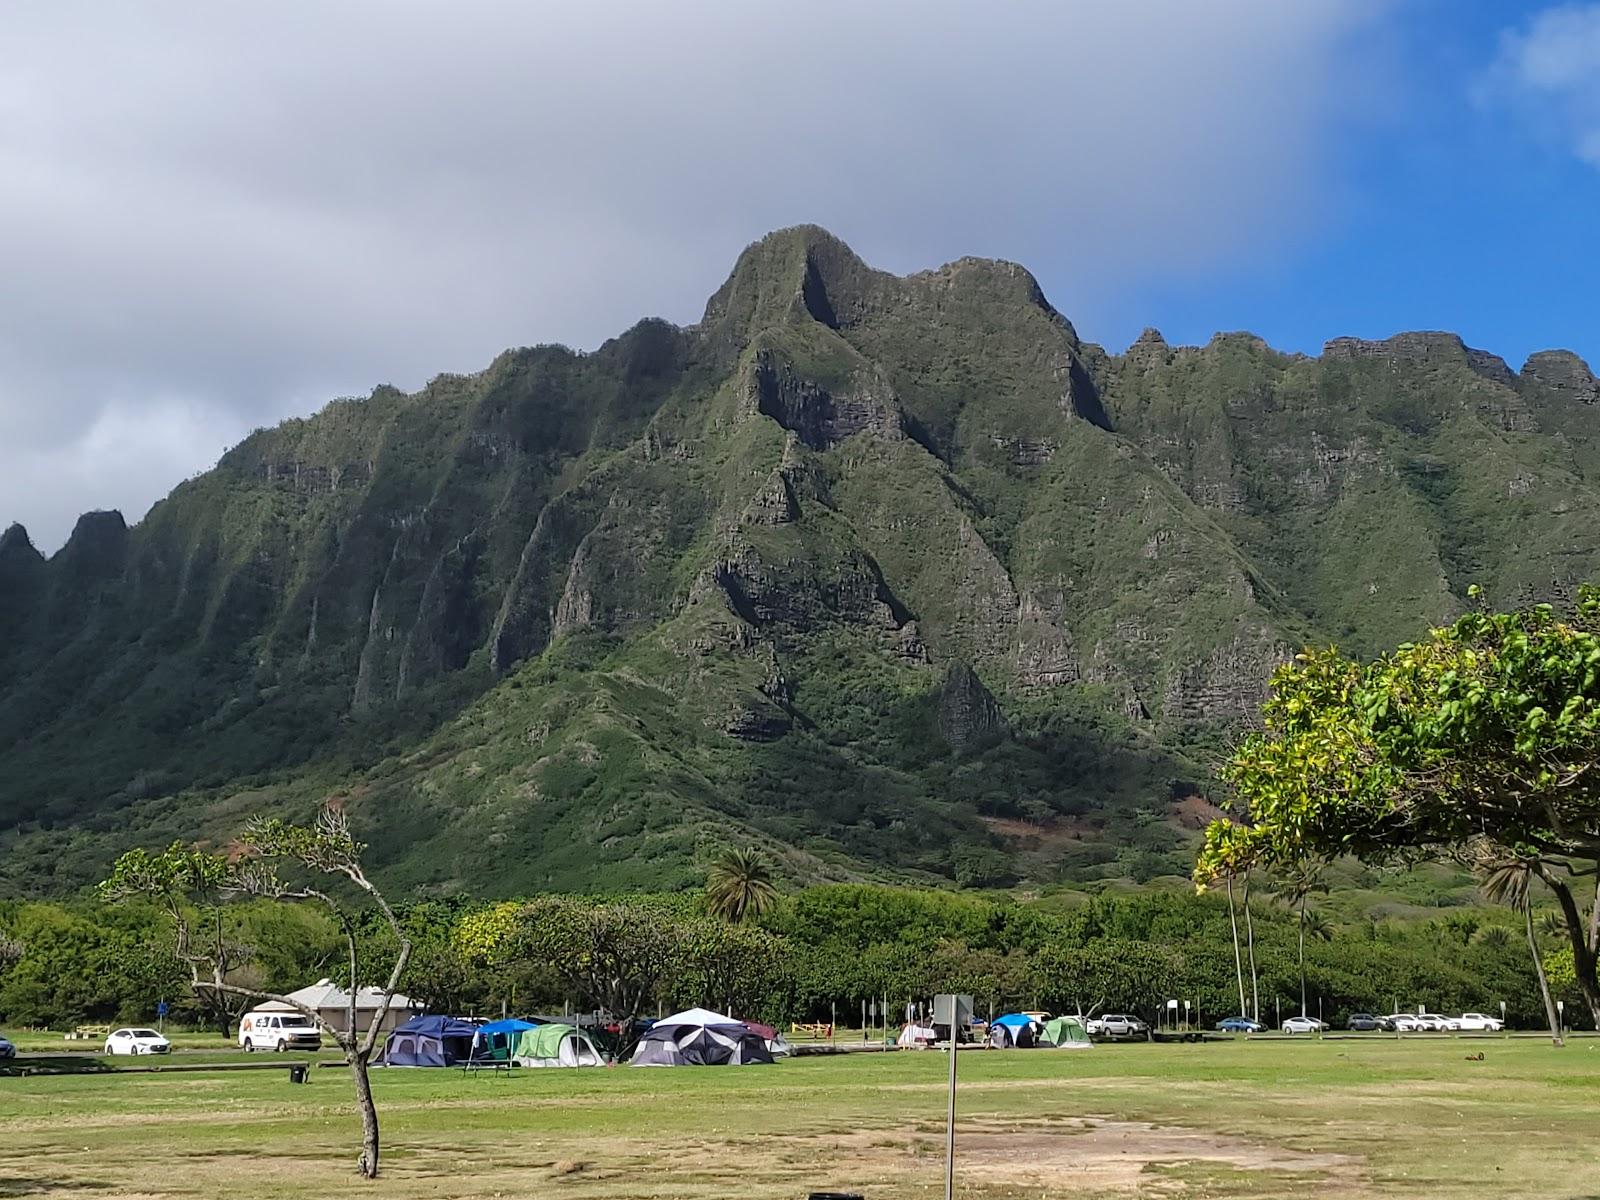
[[267, 1030]]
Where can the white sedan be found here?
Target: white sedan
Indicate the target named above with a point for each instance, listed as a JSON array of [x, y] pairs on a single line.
[[137, 1041], [1303, 1025]]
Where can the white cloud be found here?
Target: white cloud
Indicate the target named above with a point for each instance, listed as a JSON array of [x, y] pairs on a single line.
[[257, 208], [1549, 69]]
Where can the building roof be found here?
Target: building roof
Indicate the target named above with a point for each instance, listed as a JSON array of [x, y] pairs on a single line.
[[324, 993]]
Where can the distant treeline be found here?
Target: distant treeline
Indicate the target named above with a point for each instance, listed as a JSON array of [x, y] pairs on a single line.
[[818, 951]]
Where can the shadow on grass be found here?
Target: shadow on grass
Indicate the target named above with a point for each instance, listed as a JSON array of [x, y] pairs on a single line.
[[21, 1186], [54, 1064]]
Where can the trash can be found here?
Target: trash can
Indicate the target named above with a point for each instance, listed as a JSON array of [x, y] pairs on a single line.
[[298, 1072]]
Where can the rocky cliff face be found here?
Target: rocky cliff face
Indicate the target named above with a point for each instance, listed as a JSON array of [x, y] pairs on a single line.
[[746, 573]]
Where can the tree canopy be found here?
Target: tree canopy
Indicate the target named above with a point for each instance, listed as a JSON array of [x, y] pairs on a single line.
[[1487, 731]]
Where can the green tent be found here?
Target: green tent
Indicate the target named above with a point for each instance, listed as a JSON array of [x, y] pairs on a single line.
[[1066, 1033], [557, 1046]]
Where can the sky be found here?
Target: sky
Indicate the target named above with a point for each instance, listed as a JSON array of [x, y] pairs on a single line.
[[213, 217]]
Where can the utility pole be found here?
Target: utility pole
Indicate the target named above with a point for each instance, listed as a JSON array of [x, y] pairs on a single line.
[[950, 1125]]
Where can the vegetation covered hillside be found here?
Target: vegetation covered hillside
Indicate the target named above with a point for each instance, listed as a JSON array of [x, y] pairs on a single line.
[[891, 576]]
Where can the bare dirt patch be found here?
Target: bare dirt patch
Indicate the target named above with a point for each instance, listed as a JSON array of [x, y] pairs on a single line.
[[1089, 1154], [1193, 812]]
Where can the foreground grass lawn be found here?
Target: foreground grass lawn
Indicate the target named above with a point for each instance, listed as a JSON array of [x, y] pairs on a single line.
[[1347, 1118]]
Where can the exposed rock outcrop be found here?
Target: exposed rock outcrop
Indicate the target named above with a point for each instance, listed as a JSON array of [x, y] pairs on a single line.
[[969, 715], [818, 417], [1564, 373]]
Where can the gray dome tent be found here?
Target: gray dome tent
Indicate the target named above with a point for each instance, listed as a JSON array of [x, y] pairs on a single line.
[[698, 1037]]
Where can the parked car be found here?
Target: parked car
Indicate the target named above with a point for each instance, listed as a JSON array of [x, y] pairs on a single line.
[[1304, 1025], [1240, 1025], [137, 1041], [7, 1050], [1481, 1021], [1436, 1023], [1402, 1023], [1364, 1022], [1116, 1025], [278, 1031]]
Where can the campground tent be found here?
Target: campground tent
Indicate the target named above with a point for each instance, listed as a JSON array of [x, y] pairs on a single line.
[[497, 1041], [430, 1041], [917, 1035], [556, 1045], [1066, 1033], [1015, 1031], [700, 1038]]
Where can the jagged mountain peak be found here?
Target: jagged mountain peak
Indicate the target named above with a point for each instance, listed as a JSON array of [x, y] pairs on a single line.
[[1562, 372], [17, 546]]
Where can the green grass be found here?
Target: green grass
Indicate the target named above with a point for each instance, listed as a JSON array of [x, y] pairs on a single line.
[[1355, 1118]]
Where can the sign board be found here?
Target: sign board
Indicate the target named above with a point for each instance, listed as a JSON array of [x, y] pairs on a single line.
[[1172, 1004], [952, 1010], [161, 1008]]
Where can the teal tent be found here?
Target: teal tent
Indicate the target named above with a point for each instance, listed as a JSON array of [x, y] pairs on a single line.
[[497, 1041]]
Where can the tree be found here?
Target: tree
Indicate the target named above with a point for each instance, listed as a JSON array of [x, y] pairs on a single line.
[[1487, 728], [1295, 889], [611, 957], [193, 886], [739, 885], [1507, 879], [1238, 962], [1250, 947]]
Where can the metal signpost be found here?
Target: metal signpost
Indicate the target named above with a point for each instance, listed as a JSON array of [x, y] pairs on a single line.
[[956, 1012]]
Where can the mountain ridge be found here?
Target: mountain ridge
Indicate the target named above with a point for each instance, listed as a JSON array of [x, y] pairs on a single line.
[[727, 573]]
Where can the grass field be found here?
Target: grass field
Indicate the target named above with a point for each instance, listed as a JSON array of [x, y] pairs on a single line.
[[1357, 1118]]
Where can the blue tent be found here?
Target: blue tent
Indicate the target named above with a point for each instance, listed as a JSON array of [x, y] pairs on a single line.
[[430, 1041], [498, 1039], [1014, 1020]]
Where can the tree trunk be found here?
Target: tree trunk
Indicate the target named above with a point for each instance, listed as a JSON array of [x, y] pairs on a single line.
[[1594, 915], [1583, 958], [1544, 984], [1250, 941], [1238, 963], [1302, 956], [368, 1162]]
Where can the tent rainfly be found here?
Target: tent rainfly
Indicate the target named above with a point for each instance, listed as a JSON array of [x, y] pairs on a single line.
[[430, 1041], [557, 1046], [1015, 1031], [497, 1041], [700, 1038], [1066, 1033]]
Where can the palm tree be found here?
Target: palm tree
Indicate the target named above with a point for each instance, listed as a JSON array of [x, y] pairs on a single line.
[[1507, 879], [1238, 963], [1318, 927], [1250, 942], [1295, 890], [1496, 936], [739, 885], [1552, 925]]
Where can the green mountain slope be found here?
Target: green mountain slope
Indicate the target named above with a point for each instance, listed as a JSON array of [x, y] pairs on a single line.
[[890, 575]]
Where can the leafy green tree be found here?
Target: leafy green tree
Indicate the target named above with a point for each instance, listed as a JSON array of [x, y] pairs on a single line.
[[611, 957], [1488, 728], [193, 885], [739, 885]]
